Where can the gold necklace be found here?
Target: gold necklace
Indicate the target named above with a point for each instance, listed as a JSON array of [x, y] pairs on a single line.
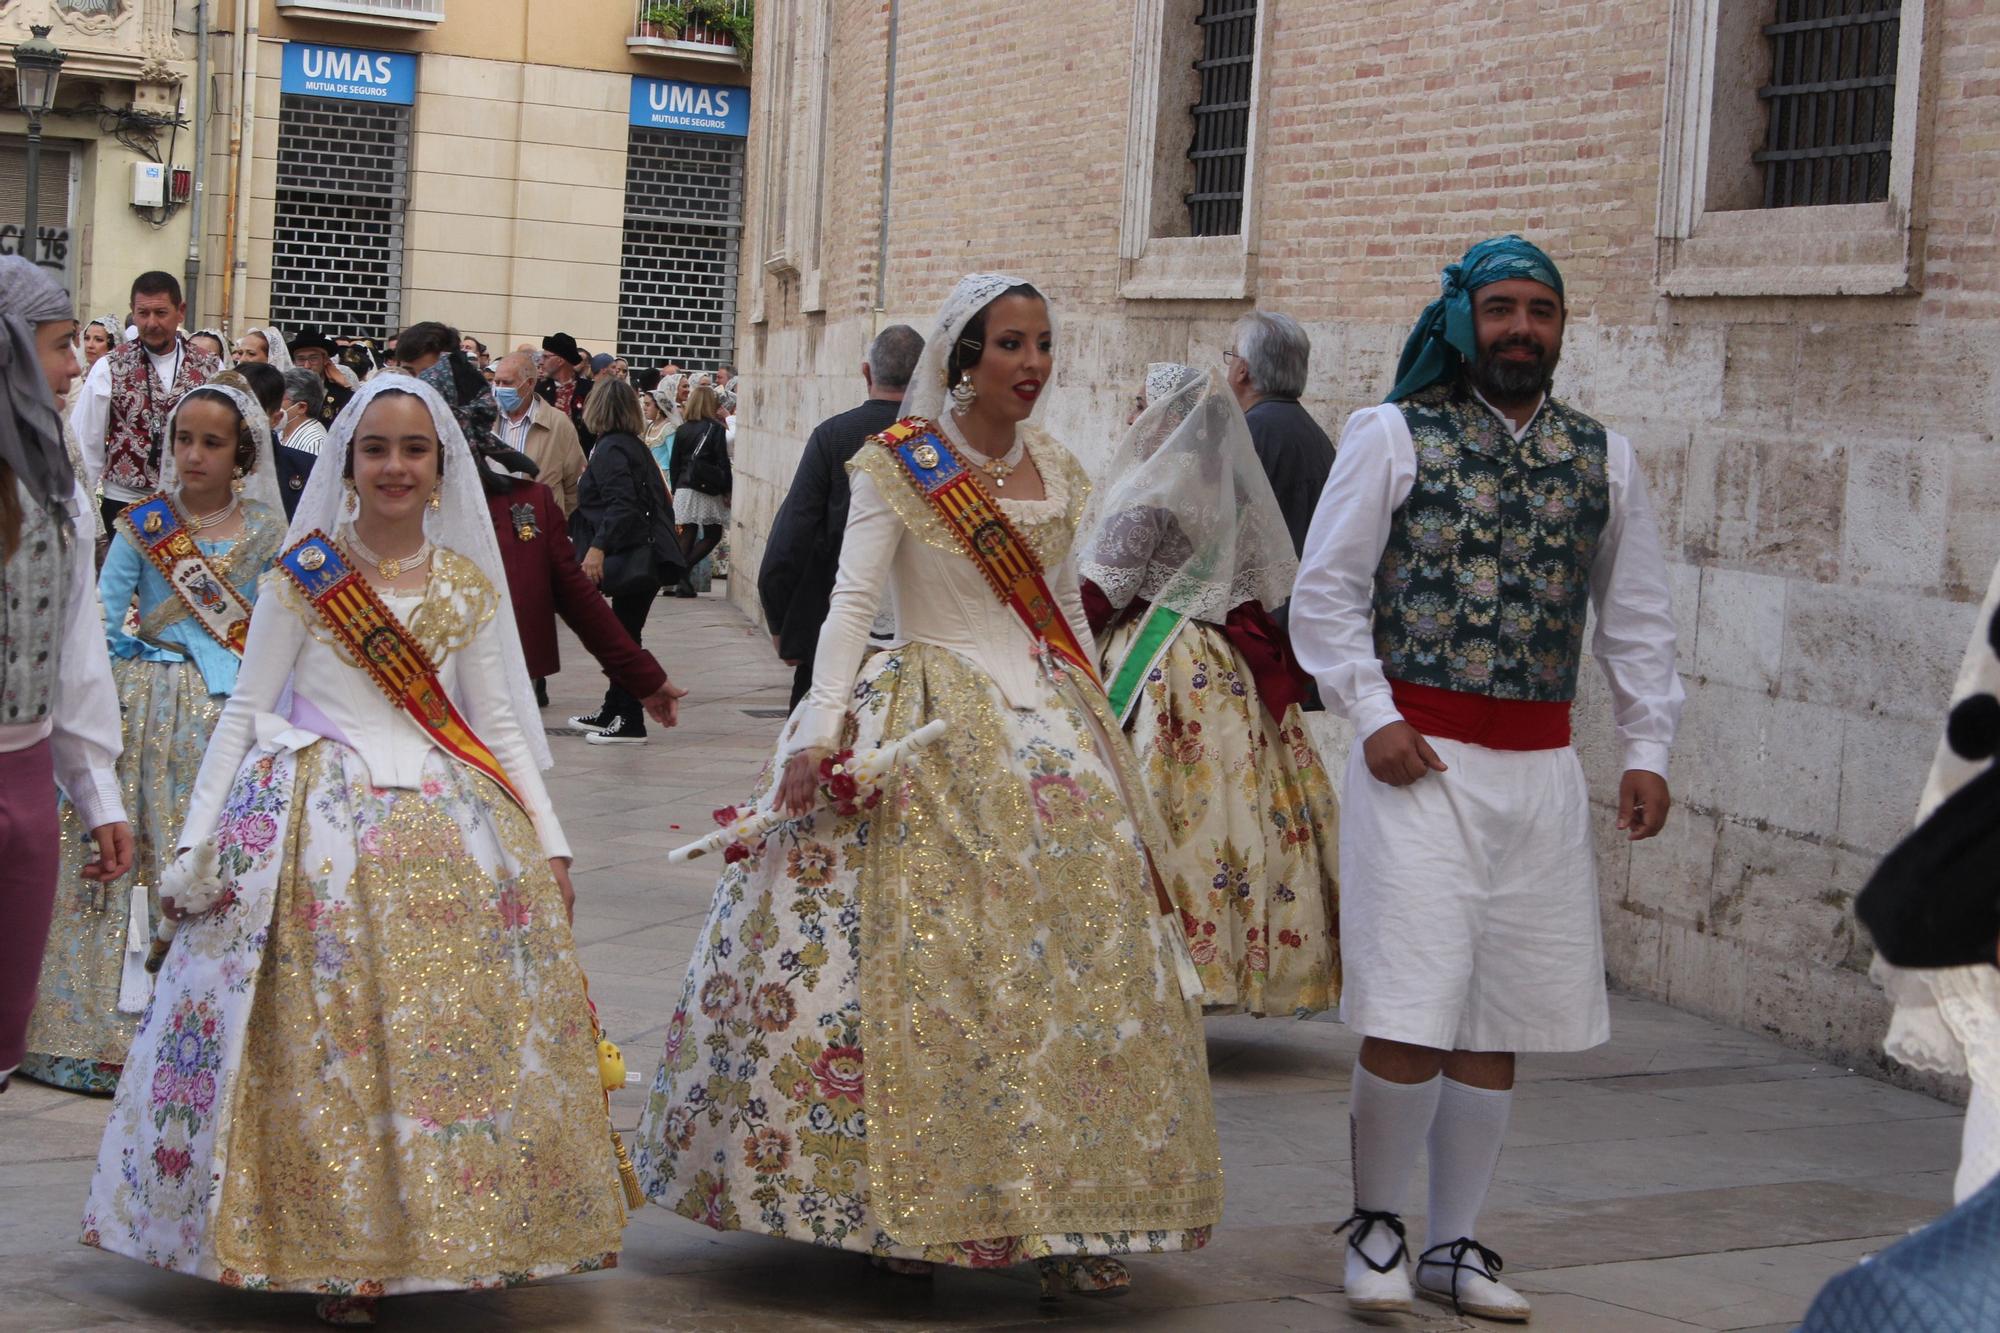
[[394, 567], [1002, 467]]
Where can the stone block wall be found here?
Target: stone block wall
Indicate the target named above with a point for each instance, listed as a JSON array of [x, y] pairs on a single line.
[[1824, 468]]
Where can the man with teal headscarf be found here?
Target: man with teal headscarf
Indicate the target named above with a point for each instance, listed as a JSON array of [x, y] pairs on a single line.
[[1469, 526]]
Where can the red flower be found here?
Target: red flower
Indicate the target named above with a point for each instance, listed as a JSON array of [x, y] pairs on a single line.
[[995, 1253], [838, 1073], [726, 816], [735, 852], [173, 1163]]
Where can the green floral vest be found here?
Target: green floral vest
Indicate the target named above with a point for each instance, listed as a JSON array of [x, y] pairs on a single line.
[[1486, 578]]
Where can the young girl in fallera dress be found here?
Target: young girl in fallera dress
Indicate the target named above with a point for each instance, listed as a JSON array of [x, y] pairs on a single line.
[[218, 485], [368, 1067]]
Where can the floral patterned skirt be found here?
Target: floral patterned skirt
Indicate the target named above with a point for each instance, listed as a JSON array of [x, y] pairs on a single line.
[[949, 1028], [79, 1035], [1255, 831], [370, 1068]]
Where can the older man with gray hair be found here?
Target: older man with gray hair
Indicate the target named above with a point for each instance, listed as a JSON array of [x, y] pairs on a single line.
[[1266, 364], [796, 581]]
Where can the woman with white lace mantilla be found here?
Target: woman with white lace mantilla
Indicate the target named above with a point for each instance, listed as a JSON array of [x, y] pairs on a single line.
[[1185, 557], [191, 557], [946, 1022], [367, 1069]]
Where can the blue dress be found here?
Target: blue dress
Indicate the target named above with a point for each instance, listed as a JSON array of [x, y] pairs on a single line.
[[172, 678]]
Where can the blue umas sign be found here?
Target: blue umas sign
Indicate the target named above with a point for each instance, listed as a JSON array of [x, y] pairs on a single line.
[[351, 74], [704, 108]]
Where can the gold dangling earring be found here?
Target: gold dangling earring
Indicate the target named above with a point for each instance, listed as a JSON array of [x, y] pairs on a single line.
[[237, 481], [437, 497], [350, 502], [963, 395]]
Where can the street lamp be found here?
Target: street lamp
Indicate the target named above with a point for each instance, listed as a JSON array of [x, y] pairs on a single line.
[[37, 63]]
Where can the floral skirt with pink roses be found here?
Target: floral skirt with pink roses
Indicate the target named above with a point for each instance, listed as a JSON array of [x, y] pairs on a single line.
[[369, 1069], [948, 1026], [1254, 828]]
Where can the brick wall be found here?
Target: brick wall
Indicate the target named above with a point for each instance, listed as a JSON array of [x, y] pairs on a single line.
[[1825, 468]]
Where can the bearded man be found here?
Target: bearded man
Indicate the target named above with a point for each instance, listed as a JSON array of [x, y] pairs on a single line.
[[1468, 525]]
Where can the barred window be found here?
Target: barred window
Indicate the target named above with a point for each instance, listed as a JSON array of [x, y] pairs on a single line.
[[1831, 101], [1221, 142], [343, 182], [683, 230]]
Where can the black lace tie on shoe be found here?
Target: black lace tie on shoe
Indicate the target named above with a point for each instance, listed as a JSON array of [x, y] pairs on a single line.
[[1364, 1223], [1488, 1267]]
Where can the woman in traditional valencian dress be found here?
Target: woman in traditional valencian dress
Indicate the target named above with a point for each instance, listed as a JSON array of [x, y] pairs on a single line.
[[191, 555], [368, 1067], [952, 1028], [1185, 557]]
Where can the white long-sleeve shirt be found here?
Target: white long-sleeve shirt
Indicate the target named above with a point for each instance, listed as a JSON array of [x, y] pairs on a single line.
[[83, 728], [91, 416], [1333, 599]]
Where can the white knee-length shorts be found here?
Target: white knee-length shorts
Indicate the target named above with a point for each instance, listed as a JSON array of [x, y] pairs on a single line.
[[1468, 904]]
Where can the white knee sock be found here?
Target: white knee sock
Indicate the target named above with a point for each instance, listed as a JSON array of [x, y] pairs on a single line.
[[1466, 1135], [1387, 1123]]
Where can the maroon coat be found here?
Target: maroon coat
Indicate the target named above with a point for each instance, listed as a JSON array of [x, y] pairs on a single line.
[[545, 581]]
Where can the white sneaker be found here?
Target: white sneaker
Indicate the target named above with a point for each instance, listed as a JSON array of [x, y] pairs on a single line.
[[1465, 1276], [1370, 1289]]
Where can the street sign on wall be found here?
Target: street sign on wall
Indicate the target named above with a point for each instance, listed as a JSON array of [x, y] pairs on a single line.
[[349, 73], [700, 108]]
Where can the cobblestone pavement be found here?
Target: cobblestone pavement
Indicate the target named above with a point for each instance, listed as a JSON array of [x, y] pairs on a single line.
[[1687, 1176]]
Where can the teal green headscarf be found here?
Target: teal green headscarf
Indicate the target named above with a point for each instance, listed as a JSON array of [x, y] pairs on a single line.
[[1443, 340]]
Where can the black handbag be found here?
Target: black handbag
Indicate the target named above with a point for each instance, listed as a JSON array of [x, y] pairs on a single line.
[[708, 468]]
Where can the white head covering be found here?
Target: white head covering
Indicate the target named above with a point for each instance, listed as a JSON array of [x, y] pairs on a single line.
[[260, 483], [1184, 515], [928, 392], [280, 355], [463, 524]]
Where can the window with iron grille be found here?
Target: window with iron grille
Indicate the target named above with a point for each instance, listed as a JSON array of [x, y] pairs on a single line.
[[683, 229], [1831, 101], [1221, 142], [343, 181]]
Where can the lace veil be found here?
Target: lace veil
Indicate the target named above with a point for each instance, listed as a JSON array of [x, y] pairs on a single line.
[[1184, 516], [280, 355], [261, 482], [463, 524], [928, 393]]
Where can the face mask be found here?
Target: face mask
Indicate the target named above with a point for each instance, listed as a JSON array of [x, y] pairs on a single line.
[[507, 397]]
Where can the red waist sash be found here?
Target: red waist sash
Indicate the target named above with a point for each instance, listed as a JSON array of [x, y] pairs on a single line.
[[1478, 719]]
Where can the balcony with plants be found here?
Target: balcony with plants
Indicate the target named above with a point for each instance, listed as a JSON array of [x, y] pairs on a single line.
[[718, 31], [377, 13]]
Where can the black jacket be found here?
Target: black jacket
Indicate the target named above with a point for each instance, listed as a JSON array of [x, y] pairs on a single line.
[[294, 467], [546, 390], [618, 495], [803, 552], [697, 439], [1297, 456]]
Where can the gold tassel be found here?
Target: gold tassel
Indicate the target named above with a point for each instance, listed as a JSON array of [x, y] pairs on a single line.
[[628, 1177]]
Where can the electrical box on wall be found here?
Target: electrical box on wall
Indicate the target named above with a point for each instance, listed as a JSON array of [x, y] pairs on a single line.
[[183, 185], [149, 185]]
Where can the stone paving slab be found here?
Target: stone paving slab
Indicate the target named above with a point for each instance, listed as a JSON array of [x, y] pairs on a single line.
[[1686, 1176]]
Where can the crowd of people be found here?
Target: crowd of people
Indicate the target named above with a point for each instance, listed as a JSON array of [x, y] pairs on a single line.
[[1045, 798]]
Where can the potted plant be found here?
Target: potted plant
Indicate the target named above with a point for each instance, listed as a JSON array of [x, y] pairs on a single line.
[[658, 20], [719, 19]]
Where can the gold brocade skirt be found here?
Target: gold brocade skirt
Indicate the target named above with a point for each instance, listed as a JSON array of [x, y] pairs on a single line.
[[1254, 828], [949, 1028], [79, 1035], [378, 1048]]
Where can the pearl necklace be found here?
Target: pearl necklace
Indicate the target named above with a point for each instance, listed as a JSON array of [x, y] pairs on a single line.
[[203, 522], [394, 567], [1003, 467]]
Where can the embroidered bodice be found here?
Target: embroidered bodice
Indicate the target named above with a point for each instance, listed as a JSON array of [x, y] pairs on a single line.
[[168, 632], [896, 545]]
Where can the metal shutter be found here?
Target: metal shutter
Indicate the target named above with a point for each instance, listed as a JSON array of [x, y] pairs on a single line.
[[683, 229], [343, 181], [52, 202]]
